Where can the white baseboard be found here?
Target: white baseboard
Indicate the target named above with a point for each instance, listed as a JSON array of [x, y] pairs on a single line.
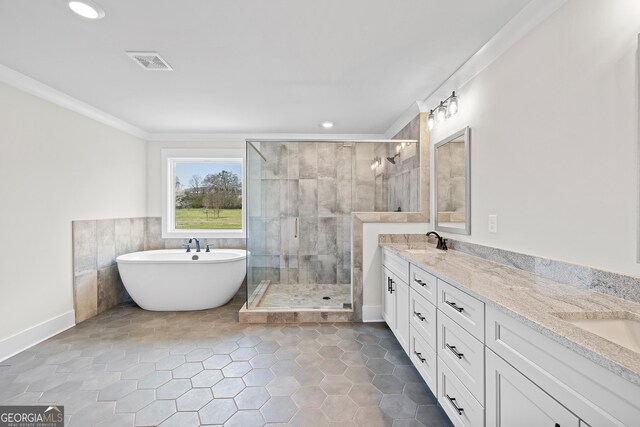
[[21, 341], [372, 313]]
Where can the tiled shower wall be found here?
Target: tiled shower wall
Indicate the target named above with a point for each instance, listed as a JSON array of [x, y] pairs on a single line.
[[319, 184], [397, 186], [96, 244], [313, 183]]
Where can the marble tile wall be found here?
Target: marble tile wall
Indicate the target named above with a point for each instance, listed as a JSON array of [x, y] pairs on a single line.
[[319, 184], [398, 185], [357, 200], [618, 285], [310, 183], [96, 244]]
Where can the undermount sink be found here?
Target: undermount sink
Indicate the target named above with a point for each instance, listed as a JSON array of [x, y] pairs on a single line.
[[416, 251], [623, 330]]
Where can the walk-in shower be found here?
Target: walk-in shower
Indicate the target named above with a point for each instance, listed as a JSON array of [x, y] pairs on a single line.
[[300, 197]]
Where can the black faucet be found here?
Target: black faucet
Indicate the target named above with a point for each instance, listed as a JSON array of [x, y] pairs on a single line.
[[197, 244], [442, 242]]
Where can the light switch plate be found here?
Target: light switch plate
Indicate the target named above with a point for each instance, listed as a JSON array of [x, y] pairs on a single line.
[[493, 223]]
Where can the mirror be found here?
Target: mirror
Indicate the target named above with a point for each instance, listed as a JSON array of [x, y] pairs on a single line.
[[452, 184]]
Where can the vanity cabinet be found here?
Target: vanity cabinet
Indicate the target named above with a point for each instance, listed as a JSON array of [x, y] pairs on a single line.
[[596, 396], [513, 400], [489, 368], [395, 301]]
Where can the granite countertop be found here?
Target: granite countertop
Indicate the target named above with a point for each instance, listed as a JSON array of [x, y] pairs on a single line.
[[535, 301]]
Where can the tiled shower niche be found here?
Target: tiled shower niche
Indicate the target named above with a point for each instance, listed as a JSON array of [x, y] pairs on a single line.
[[300, 197]]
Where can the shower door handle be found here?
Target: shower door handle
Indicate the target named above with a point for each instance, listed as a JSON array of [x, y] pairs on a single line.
[[295, 232]]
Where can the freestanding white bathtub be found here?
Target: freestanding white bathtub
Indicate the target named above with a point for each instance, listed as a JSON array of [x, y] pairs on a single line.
[[176, 280]]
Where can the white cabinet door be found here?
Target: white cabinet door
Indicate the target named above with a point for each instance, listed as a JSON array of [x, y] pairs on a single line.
[[401, 291], [388, 300], [513, 400]]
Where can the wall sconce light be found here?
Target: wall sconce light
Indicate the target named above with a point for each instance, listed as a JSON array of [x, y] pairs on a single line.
[[446, 109]]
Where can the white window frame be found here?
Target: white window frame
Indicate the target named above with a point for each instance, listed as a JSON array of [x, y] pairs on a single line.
[[172, 156]]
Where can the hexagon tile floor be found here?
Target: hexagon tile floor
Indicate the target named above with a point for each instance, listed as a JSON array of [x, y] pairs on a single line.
[[131, 367]]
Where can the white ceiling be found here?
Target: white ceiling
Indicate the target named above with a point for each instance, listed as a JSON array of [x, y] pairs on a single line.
[[251, 66]]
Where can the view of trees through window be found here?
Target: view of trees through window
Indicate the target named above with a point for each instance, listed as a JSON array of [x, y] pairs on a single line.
[[208, 195]]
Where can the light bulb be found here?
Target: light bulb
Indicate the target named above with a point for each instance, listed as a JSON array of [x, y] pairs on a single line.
[[441, 113], [431, 120], [452, 105]]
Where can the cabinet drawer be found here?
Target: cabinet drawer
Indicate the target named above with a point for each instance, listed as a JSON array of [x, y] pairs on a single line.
[[423, 318], [396, 265], [513, 400], [461, 407], [463, 354], [424, 283], [464, 309], [424, 358], [595, 394]]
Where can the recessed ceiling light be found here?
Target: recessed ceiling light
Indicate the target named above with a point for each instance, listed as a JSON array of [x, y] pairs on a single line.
[[327, 125], [87, 9]]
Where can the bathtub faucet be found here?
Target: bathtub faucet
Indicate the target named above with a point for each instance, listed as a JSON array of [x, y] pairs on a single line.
[[197, 244]]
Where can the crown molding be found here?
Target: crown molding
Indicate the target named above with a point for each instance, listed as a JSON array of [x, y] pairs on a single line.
[[528, 18], [43, 91], [533, 14], [230, 137], [405, 117]]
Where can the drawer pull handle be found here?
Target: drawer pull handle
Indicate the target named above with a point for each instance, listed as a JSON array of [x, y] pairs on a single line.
[[453, 402], [422, 359], [419, 316], [420, 282], [454, 350], [388, 284], [455, 306]]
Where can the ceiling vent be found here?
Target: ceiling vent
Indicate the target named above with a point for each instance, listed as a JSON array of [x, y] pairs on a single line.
[[151, 61]]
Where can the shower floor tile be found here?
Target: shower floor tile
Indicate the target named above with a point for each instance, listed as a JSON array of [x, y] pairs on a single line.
[[128, 366], [305, 296]]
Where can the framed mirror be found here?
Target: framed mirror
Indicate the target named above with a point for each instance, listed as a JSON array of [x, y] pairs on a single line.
[[452, 183]]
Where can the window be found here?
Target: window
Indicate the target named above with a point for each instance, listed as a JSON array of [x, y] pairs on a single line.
[[203, 193]]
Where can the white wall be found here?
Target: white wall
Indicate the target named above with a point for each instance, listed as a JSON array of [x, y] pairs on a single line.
[[372, 260], [154, 166], [554, 146], [55, 166]]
